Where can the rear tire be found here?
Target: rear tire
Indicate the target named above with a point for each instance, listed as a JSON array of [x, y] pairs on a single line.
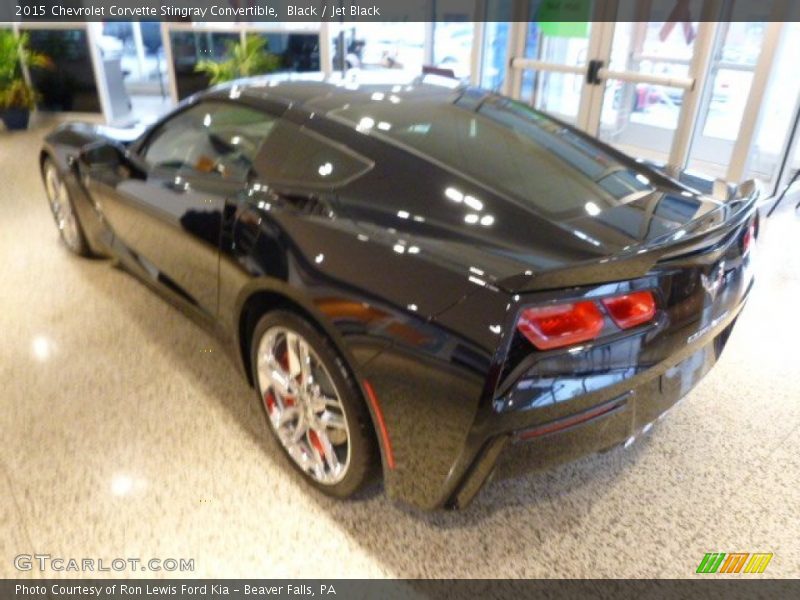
[[63, 209], [313, 405]]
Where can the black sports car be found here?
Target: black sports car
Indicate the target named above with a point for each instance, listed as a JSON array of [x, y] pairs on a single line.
[[415, 279]]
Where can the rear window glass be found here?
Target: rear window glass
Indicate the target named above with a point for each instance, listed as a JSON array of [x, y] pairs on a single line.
[[507, 146], [294, 155]]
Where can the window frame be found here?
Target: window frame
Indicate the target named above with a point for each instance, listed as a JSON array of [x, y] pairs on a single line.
[[301, 129], [142, 145], [271, 108]]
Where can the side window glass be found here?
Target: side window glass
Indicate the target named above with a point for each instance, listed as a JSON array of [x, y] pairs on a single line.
[[219, 140], [294, 155]]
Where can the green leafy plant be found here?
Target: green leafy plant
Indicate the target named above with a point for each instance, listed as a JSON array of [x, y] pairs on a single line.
[[18, 94], [14, 53], [244, 59]]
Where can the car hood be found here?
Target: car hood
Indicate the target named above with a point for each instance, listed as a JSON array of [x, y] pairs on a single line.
[[79, 134]]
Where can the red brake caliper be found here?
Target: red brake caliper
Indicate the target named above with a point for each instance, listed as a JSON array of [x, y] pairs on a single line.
[[269, 400], [316, 442]]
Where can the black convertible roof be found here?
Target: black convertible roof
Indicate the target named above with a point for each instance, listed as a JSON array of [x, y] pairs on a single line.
[[499, 144], [324, 97]]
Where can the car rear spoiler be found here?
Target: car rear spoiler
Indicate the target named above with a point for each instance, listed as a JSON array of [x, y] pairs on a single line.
[[699, 235], [725, 191]]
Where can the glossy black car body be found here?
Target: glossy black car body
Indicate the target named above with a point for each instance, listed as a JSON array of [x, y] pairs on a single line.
[[417, 265]]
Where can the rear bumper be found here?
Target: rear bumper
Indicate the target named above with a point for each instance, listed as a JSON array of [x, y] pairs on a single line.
[[454, 406], [606, 419]]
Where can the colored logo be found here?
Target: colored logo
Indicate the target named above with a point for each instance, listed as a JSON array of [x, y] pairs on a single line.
[[737, 562]]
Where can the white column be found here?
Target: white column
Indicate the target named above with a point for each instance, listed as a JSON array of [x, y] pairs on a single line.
[[591, 106], [428, 49], [700, 71], [99, 70], [139, 43], [512, 82], [754, 107], [476, 55], [325, 55], [171, 80]]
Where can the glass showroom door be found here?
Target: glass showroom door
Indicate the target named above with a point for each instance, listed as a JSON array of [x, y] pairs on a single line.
[[672, 82], [623, 82], [638, 97], [379, 52], [778, 127], [723, 107], [555, 66]]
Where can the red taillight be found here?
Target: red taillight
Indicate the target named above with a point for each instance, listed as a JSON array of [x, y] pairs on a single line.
[[748, 238], [631, 310], [561, 325], [548, 327]]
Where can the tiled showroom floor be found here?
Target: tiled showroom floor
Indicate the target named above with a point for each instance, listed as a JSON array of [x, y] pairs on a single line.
[[127, 433]]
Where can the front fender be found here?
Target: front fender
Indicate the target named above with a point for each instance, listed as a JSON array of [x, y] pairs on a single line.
[[96, 230]]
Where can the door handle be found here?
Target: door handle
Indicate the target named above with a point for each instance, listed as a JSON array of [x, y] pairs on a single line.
[[592, 72]]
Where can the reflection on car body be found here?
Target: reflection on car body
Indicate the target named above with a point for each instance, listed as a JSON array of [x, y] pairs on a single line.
[[481, 273]]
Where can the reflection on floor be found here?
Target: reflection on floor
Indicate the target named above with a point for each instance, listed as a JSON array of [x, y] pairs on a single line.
[[126, 433]]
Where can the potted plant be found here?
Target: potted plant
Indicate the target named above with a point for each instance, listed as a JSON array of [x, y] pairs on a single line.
[[245, 59], [17, 98]]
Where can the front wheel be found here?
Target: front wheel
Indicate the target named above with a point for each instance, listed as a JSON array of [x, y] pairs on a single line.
[[313, 405], [69, 228]]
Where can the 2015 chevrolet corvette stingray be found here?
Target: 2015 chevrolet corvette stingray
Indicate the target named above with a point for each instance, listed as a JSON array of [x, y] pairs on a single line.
[[416, 280]]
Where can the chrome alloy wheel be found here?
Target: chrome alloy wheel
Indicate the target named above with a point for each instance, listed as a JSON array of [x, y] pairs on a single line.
[[60, 205], [303, 405]]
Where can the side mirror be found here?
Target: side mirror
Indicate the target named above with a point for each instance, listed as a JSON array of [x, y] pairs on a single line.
[[112, 157], [102, 155]]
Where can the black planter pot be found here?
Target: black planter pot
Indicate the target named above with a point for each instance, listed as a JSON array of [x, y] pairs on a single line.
[[15, 118]]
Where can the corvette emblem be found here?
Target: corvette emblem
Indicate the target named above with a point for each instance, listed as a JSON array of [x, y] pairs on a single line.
[[713, 282]]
